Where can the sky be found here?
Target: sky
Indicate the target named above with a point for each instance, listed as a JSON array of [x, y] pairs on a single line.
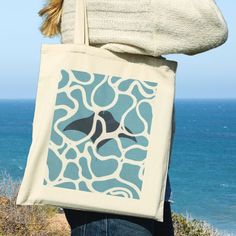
[[211, 74]]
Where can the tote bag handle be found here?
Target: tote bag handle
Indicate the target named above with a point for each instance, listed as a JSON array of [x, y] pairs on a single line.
[[81, 24]]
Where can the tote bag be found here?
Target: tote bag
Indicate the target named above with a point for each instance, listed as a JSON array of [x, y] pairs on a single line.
[[101, 129]]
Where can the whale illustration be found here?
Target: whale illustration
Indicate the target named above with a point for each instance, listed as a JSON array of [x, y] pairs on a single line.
[[85, 125]]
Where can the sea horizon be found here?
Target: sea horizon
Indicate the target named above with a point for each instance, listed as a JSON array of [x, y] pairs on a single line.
[[224, 98]]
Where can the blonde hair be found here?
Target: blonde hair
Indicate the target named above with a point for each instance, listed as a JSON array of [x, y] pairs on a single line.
[[51, 14]]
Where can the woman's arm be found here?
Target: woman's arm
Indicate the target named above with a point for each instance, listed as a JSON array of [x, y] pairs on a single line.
[[187, 26], [152, 27]]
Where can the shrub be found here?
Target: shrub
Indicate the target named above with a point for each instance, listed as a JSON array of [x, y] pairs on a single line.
[[186, 226], [39, 219], [21, 220]]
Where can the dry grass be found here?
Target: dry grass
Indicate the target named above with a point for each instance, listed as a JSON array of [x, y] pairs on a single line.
[[187, 226], [49, 220], [27, 220]]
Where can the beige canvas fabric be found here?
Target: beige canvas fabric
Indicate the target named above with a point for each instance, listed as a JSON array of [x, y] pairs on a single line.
[[127, 101]]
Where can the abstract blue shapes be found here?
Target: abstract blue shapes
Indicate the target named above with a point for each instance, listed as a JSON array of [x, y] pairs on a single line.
[[109, 154], [62, 99], [126, 142], [142, 140], [84, 167], [137, 93], [55, 137], [83, 111], [104, 95], [74, 135], [81, 75], [64, 80], [102, 167], [69, 185], [133, 121], [147, 90], [114, 79], [102, 186], [83, 187], [71, 171], [110, 148], [124, 85], [89, 87], [146, 113], [54, 165], [123, 103], [150, 83], [136, 154], [81, 146], [130, 173], [61, 150], [71, 154]]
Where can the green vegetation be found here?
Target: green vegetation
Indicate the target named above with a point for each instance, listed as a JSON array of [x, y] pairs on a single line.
[[185, 226], [38, 220], [22, 220]]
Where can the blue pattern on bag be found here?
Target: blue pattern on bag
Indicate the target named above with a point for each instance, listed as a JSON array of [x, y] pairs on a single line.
[[80, 155]]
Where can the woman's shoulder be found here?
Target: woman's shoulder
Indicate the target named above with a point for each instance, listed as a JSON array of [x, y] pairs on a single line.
[[151, 27]]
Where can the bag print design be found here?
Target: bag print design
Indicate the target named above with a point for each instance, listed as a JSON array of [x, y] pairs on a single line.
[[100, 133]]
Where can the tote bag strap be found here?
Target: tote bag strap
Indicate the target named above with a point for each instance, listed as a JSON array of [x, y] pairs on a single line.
[[81, 24]]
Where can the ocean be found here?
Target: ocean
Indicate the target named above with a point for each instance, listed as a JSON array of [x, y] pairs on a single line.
[[202, 167]]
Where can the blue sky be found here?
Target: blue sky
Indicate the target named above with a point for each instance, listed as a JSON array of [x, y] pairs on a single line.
[[211, 74]]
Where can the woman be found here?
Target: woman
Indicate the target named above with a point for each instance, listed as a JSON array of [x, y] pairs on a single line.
[[152, 28]]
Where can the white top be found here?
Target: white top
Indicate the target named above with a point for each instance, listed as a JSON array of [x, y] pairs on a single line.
[[150, 27]]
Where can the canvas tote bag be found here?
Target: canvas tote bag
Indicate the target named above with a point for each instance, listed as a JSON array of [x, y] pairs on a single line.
[[101, 129]]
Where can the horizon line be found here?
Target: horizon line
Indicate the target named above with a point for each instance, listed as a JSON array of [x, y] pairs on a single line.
[[178, 98]]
